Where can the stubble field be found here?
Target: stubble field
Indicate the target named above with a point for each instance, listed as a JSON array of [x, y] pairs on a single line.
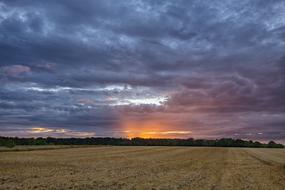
[[144, 168]]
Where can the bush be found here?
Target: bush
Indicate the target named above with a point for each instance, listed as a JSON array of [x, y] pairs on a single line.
[[9, 143]]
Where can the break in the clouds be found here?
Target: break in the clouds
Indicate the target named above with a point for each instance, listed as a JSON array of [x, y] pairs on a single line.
[[202, 69]]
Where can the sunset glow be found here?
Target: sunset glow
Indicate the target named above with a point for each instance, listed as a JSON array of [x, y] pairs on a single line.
[[152, 129]]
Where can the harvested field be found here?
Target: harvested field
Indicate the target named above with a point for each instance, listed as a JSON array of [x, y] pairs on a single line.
[[144, 168]]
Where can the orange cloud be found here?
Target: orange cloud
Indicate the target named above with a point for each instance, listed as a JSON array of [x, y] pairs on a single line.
[[41, 131]]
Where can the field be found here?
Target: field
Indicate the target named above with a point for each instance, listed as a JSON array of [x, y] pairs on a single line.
[[143, 168]]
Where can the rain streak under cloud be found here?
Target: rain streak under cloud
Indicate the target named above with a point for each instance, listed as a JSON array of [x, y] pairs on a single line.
[[175, 69]]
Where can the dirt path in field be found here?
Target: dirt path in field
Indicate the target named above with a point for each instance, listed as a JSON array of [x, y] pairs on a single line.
[[144, 168]]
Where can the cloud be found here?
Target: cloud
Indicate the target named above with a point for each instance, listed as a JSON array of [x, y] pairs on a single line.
[[14, 70], [91, 64]]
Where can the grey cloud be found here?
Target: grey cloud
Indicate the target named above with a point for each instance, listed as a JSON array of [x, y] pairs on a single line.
[[210, 57]]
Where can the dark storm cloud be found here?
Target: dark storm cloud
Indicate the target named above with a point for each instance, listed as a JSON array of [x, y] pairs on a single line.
[[81, 64]]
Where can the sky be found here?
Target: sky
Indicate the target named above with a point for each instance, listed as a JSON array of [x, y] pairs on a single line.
[[132, 68]]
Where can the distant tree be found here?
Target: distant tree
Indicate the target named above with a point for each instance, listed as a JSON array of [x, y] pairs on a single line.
[[40, 141], [257, 144], [272, 144]]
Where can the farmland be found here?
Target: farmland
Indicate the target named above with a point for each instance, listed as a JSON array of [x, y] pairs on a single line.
[[113, 167]]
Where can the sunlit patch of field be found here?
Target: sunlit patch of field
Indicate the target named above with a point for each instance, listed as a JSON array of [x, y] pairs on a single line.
[[143, 168]]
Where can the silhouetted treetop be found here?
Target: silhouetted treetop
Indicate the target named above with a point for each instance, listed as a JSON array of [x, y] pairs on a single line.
[[224, 142]]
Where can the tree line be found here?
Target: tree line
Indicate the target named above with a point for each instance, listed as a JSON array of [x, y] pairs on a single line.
[[224, 142]]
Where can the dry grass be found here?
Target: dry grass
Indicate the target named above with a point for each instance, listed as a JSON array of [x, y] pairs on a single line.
[[143, 168], [38, 147]]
